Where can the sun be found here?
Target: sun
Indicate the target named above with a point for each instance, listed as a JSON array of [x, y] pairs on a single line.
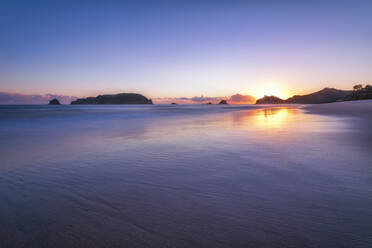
[[273, 90]]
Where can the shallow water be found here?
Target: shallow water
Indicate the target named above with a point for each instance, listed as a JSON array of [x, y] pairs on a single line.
[[183, 176]]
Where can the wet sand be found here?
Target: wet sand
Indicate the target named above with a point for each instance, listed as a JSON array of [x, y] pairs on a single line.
[[185, 176], [359, 109]]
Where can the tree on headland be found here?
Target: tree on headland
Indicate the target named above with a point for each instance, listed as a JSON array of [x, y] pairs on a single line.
[[360, 93], [358, 87]]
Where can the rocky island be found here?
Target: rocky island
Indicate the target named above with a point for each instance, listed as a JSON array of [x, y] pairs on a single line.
[[54, 102], [122, 98], [270, 100], [223, 102]]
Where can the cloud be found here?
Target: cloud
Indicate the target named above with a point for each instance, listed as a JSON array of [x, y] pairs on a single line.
[[15, 98], [187, 100], [234, 99], [242, 99]]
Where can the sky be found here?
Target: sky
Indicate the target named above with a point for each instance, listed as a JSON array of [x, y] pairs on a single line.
[[173, 49]]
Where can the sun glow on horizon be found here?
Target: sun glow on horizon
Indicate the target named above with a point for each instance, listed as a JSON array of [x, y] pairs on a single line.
[[272, 90]]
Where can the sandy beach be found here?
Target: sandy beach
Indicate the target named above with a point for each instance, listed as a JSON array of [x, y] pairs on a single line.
[[185, 124], [186, 176], [362, 109]]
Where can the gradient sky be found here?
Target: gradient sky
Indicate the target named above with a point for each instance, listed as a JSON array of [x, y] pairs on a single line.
[[184, 48]]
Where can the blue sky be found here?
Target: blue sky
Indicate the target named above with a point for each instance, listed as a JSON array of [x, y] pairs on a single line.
[[184, 48]]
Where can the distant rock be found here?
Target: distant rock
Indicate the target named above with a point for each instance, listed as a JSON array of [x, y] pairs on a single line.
[[173, 103], [209, 103], [223, 102], [54, 102], [325, 95], [270, 100], [123, 98]]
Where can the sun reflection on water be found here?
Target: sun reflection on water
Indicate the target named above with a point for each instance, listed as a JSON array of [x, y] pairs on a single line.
[[268, 118], [273, 118]]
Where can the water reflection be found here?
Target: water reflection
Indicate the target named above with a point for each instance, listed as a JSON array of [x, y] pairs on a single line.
[[274, 117], [293, 119], [271, 118]]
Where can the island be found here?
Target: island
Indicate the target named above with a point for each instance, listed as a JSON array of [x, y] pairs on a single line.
[[54, 102], [223, 102], [122, 98]]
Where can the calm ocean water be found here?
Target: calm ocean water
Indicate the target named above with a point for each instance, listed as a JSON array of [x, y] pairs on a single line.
[[183, 176]]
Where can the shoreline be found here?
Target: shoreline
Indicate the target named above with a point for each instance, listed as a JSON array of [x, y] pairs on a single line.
[[360, 108]]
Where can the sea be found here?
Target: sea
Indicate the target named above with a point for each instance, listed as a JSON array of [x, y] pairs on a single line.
[[183, 176]]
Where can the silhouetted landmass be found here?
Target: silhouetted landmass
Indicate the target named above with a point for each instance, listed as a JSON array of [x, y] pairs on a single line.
[[360, 93], [173, 103], [223, 102], [270, 100], [325, 95], [122, 98], [209, 103], [54, 102]]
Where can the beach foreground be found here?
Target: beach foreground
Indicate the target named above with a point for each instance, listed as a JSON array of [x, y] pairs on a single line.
[[186, 176]]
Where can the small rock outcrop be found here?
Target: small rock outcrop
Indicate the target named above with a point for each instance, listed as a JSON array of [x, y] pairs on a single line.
[[223, 102], [54, 102], [270, 100], [123, 98]]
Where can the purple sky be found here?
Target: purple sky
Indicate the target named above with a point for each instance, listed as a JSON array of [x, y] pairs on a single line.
[[184, 48]]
